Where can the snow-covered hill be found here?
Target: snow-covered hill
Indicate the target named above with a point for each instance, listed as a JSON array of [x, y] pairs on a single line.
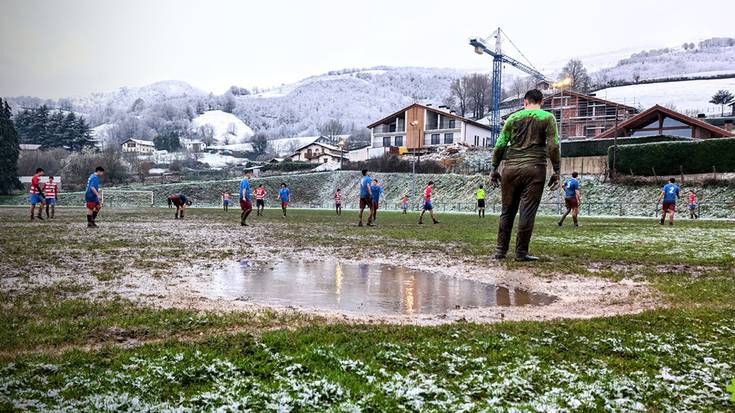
[[691, 96], [124, 97], [226, 128]]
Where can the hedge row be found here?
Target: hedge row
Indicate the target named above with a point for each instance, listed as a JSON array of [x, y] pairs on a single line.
[[599, 147], [671, 158]]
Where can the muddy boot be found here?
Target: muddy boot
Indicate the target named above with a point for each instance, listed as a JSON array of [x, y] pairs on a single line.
[[436, 222], [90, 224], [359, 224], [662, 221]]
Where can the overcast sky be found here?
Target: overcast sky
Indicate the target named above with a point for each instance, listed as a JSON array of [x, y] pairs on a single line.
[[74, 47]]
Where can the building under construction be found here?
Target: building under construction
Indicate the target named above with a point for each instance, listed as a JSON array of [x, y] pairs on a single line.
[[580, 116]]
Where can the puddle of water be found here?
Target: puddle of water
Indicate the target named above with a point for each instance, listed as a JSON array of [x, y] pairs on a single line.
[[362, 288]]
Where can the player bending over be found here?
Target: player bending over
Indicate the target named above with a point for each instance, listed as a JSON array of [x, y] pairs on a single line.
[[669, 194], [36, 193], [284, 195], [693, 204], [246, 205], [93, 197], [480, 196], [180, 201], [427, 203], [571, 199], [50, 192], [365, 197], [260, 199], [338, 201], [226, 201]]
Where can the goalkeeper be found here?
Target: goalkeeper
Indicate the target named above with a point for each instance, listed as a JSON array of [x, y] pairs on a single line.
[[526, 138]]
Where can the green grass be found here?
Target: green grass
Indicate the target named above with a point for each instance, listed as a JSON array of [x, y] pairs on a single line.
[[60, 348]]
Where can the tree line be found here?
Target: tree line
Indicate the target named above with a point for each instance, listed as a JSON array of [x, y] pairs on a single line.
[[53, 129]]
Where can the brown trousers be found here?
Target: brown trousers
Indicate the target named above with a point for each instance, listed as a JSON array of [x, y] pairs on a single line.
[[521, 189]]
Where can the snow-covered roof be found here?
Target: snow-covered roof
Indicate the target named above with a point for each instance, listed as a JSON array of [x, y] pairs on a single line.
[[287, 146], [29, 146]]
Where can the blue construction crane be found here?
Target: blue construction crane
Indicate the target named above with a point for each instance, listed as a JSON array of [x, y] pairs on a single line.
[[498, 59]]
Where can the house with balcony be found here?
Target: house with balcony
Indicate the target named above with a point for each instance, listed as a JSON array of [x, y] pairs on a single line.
[[424, 127], [318, 152]]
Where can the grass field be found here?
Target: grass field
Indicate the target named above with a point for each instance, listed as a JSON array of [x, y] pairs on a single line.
[[70, 341]]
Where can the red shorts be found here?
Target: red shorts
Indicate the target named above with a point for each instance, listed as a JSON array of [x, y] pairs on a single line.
[[669, 206], [93, 205], [365, 202], [245, 204], [571, 202], [284, 204]]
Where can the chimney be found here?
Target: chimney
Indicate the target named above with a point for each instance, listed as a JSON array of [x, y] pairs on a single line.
[[701, 116], [428, 104]]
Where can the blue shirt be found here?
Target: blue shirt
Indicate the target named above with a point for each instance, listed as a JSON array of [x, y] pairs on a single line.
[[376, 190], [364, 185], [245, 186], [283, 194], [92, 182], [671, 192], [570, 188]]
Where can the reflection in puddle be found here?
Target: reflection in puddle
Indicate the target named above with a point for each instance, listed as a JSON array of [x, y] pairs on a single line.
[[363, 288]]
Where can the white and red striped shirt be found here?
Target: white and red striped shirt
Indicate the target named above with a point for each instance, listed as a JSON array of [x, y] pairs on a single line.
[[260, 194], [338, 197], [50, 189], [226, 196]]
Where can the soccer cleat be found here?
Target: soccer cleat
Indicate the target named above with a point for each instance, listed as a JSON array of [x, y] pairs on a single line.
[[559, 223], [526, 258], [359, 224], [421, 223], [436, 222], [39, 217], [499, 256]]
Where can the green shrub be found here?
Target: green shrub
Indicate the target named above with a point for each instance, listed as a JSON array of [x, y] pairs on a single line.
[[670, 158], [599, 147]]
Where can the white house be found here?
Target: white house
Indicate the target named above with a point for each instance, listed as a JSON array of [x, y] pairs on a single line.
[[193, 145], [420, 126], [318, 152], [138, 145]]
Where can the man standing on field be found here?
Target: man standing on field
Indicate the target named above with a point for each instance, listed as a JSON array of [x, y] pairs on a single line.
[[284, 195], [259, 200], [527, 136], [366, 199], [375, 191], [571, 199], [669, 194], [427, 203], [338, 201], [226, 201], [50, 192], [245, 203], [36, 193], [93, 197], [480, 196]]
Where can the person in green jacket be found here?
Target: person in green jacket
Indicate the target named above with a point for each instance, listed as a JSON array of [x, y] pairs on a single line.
[[527, 138], [480, 197]]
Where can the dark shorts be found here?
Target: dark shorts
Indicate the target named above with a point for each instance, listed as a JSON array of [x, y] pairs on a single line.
[[226, 202], [376, 205], [259, 202], [571, 202], [245, 204], [365, 202], [691, 206], [338, 205], [428, 206], [481, 203], [50, 201], [669, 206], [93, 205]]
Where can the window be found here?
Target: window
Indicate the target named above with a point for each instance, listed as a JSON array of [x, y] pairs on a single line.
[[434, 138], [448, 138], [386, 141], [477, 140], [399, 140], [452, 123], [326, 160]]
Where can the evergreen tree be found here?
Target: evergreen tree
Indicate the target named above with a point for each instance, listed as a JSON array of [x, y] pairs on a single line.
[[9, 151], [54, 131], [82, 136]]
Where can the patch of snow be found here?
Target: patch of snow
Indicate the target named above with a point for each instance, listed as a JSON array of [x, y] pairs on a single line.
[[228, 128]]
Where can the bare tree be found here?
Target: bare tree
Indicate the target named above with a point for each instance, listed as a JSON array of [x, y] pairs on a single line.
[[576, 71], [331, 130], [231, 133], [206, 134], [478, 91], [458, 92], [522, 85]]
